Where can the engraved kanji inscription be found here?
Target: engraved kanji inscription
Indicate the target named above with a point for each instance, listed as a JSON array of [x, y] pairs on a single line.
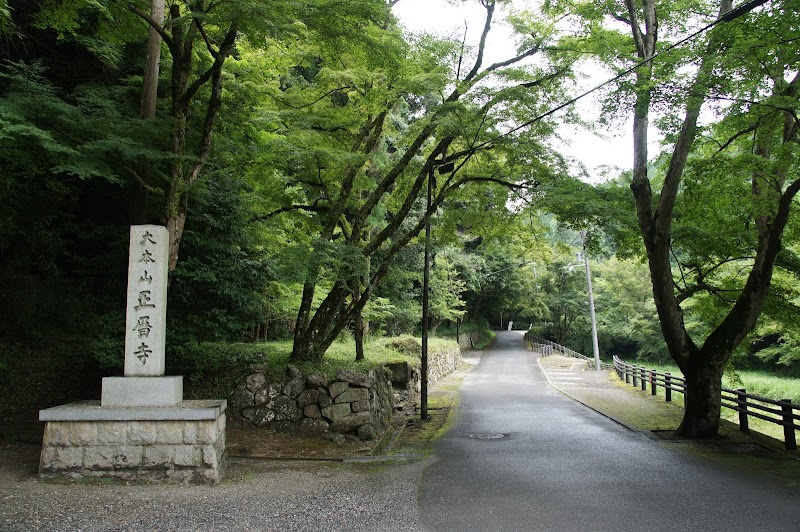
[[147, 257], [144, 300], [142, 353], [143, 326]]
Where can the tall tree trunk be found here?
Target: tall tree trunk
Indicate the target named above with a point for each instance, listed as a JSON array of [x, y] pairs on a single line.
[[359, 330], [185, 27], [359, 326], [703, 397], [177, 200], [152, 62], [703, 367], [140, 195], [308, 346], [703, 370], [299, 345], [175, 225], [316, 331]]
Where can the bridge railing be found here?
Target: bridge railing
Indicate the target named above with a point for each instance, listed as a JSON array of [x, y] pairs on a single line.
[[780, 412], [546, 347]]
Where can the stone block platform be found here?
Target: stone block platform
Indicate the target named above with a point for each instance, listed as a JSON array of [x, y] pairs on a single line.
[[184, 443]]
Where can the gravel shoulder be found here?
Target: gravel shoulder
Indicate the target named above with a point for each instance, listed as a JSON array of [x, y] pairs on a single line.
[[254, 495], [265, 486]]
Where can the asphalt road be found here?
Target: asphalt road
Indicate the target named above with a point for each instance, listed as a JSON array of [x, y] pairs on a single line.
[[522, 456]]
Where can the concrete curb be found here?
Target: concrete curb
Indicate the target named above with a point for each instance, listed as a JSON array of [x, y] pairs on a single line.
[[648, 433]]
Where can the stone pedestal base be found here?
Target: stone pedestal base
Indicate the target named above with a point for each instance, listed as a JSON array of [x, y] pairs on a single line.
[[142, 391], [181, 444]]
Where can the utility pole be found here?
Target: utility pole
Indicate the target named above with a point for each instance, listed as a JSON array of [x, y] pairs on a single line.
[[423, 395], [591, 302]]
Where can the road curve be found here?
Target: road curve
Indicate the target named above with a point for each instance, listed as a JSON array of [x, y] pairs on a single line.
[[522, 456]]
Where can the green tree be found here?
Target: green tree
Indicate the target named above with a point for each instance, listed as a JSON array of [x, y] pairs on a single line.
[[564, 287], [214, 28], [761, 71], [374, 135], [626, 314], [446, 290]]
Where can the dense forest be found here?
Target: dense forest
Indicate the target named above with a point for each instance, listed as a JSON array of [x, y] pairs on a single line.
[[295, 151]]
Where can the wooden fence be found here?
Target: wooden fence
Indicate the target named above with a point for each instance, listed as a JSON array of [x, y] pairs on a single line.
[[782, 412]]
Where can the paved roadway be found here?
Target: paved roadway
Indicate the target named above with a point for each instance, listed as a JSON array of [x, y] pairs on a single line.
[[522, 456]]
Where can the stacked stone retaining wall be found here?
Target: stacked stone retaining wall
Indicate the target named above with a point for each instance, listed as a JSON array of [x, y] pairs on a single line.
[[356, 404], [442, 363], [351, 404]]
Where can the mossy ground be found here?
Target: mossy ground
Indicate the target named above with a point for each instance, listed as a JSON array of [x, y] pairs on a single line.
[[419, 436], [660, 415], [755, 452]]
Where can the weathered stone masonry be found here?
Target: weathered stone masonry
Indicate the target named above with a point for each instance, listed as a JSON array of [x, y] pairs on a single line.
[[359, 404], [185, 443], [355, 404]]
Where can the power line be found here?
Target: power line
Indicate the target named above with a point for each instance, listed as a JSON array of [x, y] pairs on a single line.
[[726, 17]]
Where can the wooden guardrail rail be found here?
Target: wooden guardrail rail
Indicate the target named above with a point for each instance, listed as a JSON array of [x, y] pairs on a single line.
[[780, 412]]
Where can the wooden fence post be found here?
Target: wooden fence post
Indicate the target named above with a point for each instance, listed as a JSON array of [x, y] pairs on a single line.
[[635, 375], [652, 382], [744, 424], [644, 378], [788, 425], [667, 387]]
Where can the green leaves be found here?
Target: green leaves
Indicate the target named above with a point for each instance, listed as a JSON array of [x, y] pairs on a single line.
[[85, 134], [446, 290]]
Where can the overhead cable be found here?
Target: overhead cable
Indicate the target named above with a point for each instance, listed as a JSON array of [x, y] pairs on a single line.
[[726, 17]]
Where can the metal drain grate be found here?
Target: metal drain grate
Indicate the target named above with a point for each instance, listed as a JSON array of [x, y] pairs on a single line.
[[487, 436]]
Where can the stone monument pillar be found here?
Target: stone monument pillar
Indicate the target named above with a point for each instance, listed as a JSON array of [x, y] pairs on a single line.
[[141, 429], [144, 383]]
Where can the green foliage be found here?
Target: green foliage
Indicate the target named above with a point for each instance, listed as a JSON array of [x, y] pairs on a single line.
[[446, 290], [85, 134], [219, 290], [303, 87], [782, 345], [377, 313], [607, 207], [479, 333], [625, 310], [402, 289], [215, 369]]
